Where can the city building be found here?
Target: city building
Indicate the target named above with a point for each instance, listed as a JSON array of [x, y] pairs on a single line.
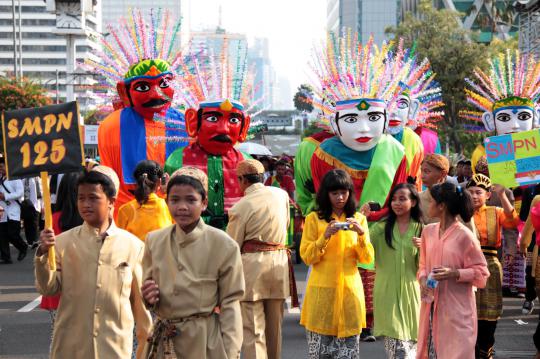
[[44, 54], [367, 17], [529, 26], [486, 18], [115, 9], [259, 60]]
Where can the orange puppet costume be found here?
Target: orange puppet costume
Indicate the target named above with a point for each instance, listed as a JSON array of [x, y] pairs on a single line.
[[140, 67]]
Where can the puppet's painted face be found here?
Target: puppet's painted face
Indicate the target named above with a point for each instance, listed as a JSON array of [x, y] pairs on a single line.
[[360, 123], [151, 95], [400, 115], [218, 126], [513, 119], [511, 115]]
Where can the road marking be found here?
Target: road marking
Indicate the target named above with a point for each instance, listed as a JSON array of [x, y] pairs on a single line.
[[30, 306]]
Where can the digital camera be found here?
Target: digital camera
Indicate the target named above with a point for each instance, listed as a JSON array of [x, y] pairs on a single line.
[[342, 225]]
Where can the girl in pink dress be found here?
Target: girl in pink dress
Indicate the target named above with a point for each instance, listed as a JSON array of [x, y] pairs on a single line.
[[451, 257]]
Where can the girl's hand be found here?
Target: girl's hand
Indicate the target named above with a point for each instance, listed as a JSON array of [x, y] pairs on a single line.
[[330, 230], [46, 241], [444, 273], [365, 210], [356, 226], [150, 291], [417, 241]]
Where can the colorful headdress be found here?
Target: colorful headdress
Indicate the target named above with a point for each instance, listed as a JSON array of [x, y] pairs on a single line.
[[417, 81], [216, 79], [138, 45], [346, 71], [513, 80]]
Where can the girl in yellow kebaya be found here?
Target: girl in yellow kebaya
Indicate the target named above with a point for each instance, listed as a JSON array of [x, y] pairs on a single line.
[[147, 212], [335, 239]]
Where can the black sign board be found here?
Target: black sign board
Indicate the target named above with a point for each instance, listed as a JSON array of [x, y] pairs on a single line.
[[42, 139]]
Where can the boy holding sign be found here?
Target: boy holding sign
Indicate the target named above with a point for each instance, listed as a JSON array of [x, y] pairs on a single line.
[[99, 277]]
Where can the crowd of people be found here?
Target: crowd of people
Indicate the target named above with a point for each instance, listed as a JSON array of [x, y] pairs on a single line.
[[437, 291]]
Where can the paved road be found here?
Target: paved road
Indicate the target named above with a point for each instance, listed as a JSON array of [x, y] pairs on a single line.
[[25, 329]]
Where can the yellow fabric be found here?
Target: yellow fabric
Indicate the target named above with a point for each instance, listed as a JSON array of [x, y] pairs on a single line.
[[100, 284], [140, 220], [334, 302], [479, 152]]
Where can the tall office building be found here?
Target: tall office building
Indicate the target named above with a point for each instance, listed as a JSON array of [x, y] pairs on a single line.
[[367, 17], [44, 53], [115, 9], [259, 59]]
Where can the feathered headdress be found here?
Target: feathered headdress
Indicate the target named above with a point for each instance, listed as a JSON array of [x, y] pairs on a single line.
[[346, 70], [138, 46], [210, 78], [513, 80], [417, 81]]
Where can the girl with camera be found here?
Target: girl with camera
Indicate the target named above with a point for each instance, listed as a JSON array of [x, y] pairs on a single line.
[[335, 239]]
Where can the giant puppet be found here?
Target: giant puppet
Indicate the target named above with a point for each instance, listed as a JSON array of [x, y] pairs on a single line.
[[138, 61], [415, 98], [354, 83], [506, 97], [359, 117], [216, 120]]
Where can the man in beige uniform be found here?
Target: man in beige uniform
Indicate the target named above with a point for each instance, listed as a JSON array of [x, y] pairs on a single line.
[[258, 223], [434, 171], [99, 278]]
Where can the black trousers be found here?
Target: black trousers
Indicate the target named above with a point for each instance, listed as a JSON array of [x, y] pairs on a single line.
[[485, 339], [30, 219], [10, 232], [530, 294]]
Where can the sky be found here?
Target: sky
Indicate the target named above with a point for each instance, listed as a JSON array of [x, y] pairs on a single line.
[[291, 26]]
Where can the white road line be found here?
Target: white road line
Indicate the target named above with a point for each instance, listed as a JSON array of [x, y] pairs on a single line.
[[30, 306]]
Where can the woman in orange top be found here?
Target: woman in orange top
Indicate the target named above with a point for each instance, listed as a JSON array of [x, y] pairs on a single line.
[[147, 212]]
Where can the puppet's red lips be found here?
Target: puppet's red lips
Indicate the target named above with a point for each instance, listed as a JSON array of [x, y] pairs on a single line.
[[363, 139], [394, 123]]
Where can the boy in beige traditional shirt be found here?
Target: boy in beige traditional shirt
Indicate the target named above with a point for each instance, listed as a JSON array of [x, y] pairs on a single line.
[[98, 275], [193, 279]]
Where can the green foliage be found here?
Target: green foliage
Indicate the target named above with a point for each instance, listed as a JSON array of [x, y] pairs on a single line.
[[453, 55], [303, 98], [311, 129], [15, 95]]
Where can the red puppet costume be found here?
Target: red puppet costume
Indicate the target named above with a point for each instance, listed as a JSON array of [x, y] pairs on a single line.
[[217, 127]]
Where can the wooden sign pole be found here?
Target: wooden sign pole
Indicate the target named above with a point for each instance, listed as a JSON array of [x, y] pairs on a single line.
[[48, 215]]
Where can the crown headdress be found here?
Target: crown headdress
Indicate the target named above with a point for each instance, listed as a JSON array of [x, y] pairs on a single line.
[[513, 79], [480, 180]]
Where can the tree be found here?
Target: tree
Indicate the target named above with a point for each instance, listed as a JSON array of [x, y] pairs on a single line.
[[303, 99], [437, 35], [15, 95]]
